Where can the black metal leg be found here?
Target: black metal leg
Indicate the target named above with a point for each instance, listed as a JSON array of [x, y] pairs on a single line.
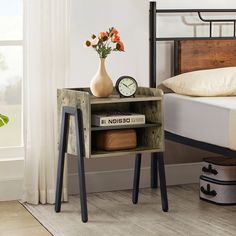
[[162, 176], [81, 172], [154, 170], [136, 178], [62, 151]]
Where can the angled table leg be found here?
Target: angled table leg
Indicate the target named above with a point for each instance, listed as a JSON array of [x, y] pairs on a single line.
[[81, 172], [136, 178], [62, 150], [162, 176], [154, 170], [160, 159], [61, 160]]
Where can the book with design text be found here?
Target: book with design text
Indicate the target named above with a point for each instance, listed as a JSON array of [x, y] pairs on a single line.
[[117, 118]]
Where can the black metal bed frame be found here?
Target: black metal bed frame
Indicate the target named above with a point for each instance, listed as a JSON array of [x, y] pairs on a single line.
[[153, 75]]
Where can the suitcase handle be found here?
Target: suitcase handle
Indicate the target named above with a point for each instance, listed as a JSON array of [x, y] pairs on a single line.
[[209, 170], [208, 191]]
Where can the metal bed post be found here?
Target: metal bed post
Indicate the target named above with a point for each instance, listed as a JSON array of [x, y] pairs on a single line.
[[152, 79], [152, 45]]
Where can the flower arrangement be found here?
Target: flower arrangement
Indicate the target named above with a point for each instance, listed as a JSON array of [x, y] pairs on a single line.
[[106, 42]]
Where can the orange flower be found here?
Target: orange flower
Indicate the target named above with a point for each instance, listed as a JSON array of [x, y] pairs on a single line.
[[103, 36], [105, 42], [114, 31], [120, 46], [115, 38]]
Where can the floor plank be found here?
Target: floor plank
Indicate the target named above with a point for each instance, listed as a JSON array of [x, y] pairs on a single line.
[[112, 213], [15, 220]]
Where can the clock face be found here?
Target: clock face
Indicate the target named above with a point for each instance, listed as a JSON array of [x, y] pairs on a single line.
[[126, 86]]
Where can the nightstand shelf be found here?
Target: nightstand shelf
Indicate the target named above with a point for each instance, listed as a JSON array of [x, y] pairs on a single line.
[[96, 128], [139, 149], [116, 99]]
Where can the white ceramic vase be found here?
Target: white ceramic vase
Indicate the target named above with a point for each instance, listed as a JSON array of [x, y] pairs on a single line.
[[101, 85]]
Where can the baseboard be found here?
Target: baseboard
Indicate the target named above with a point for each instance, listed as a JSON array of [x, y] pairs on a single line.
[[11, 184], [11, 189], [11, 179], [122, 179]]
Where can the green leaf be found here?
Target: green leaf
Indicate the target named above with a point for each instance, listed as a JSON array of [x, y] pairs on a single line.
[[3, 120]]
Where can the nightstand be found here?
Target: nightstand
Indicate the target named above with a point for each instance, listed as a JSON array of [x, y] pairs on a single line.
[[77, 136]]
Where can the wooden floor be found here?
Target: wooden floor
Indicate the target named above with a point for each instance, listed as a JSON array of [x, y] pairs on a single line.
[[113, 214], [15, 220]]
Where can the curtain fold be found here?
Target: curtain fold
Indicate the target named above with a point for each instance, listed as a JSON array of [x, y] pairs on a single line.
[[46, 61]]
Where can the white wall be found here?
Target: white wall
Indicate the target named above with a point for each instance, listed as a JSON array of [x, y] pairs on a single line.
[[131, 19]]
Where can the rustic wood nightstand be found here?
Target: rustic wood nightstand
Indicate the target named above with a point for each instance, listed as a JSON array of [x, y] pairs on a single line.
[[78, 138]]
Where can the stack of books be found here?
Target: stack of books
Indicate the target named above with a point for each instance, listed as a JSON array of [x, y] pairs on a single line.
[[117, 118]]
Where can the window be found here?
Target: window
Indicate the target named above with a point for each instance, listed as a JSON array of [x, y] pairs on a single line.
[[11, 74]]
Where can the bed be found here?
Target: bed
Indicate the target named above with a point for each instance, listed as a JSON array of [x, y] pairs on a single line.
[[208, 123], [195, 118]]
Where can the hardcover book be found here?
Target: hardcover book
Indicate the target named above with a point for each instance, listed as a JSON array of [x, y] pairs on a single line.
[[117, 118]]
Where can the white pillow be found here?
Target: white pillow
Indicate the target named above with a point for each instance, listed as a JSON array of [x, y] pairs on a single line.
[[212, 82]]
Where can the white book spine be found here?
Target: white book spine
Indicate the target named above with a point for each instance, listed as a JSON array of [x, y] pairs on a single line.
[[118, 120]]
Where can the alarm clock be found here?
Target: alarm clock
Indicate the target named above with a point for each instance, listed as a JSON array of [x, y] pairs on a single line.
[[126, 86]]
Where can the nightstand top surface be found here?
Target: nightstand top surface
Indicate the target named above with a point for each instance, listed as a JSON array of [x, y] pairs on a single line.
[[143, 94]]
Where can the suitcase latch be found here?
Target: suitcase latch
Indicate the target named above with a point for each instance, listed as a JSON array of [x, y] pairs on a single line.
[[209, 170], [208, 191]]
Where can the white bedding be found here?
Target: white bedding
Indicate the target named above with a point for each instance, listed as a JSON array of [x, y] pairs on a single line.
[[206, 119]]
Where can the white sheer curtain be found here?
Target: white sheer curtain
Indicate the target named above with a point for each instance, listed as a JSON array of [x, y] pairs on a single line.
[[46, 27]]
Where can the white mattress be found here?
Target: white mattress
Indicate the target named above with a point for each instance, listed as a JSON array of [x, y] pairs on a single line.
[[206, 119]]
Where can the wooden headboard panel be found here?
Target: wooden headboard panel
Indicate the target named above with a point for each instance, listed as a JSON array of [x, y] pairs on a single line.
[[193, 55]]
